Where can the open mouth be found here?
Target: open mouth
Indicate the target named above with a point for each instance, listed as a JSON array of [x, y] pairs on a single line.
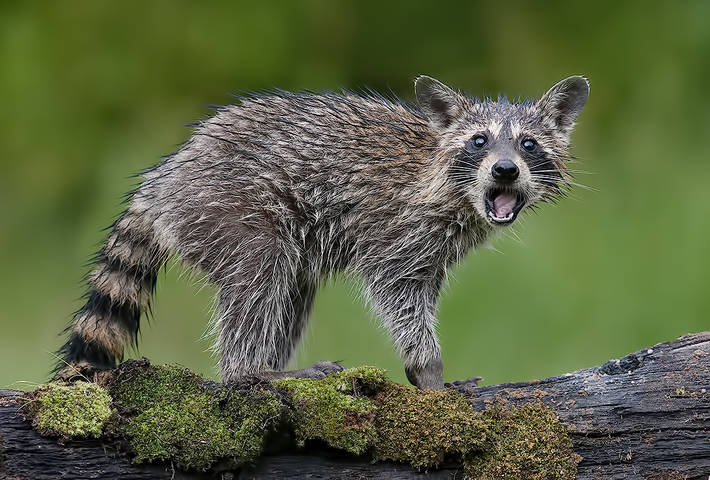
[[502, 206]]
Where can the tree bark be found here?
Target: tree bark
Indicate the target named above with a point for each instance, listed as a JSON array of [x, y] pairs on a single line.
[[644, 416]]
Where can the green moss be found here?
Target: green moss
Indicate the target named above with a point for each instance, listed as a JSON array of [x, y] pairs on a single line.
[[169, 413], [422, 428], [138, 384], [335, 409], [529, 443], [65, 411]]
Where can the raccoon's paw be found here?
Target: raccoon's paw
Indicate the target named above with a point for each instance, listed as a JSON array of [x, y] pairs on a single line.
[[464, 384], [81, 371], [427, 377], [317, 370]]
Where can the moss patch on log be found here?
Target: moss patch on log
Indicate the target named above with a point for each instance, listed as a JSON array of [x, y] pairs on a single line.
[[335, 409], [423, 428], [79, 410], [426, 428], [168, 413], [527, 442]]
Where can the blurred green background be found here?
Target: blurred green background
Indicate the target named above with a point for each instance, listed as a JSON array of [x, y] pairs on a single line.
[[93, 91]]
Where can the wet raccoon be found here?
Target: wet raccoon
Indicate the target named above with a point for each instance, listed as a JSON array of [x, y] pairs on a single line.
[[271, 195]]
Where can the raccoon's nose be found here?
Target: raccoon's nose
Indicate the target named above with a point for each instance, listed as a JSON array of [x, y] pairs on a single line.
[[505, 171]]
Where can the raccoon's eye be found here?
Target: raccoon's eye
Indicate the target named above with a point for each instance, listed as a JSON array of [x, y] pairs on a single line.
[[479, 140], [529, 144]]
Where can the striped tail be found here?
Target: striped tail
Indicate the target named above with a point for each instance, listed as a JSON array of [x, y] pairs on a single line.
[[119, 291]]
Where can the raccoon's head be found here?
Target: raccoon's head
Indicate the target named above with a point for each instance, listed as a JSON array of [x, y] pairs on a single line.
[[504, 156]]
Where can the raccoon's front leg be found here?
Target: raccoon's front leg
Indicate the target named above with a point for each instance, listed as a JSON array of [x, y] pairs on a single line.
[[408, 310]]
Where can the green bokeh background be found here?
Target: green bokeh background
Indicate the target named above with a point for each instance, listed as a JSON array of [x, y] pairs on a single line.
[[93, 91]]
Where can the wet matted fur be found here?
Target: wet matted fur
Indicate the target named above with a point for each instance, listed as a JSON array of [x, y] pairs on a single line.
[[272, 194]]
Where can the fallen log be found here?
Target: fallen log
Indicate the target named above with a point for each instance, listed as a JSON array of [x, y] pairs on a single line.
[[643, 416]]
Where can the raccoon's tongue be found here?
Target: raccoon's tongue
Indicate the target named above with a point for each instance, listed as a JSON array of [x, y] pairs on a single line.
[[503, 204]]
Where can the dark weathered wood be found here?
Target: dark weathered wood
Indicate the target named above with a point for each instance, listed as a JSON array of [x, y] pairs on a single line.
[[329, 464], [645, 416]]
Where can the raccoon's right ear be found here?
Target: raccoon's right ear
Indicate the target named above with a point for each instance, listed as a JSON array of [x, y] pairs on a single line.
[[440, 103]]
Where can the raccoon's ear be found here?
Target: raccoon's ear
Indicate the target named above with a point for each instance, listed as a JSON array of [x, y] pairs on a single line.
[[440, 103], [564, 101]]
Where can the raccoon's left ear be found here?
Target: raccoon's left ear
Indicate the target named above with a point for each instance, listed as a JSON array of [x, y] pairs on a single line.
[[564, 101], [441, 104]]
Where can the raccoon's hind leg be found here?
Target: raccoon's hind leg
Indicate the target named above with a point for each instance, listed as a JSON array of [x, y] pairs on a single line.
[[119, 290], [264, 305], [302, 295]]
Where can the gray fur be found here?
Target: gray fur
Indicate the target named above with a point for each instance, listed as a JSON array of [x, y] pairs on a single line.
[[271, 195]]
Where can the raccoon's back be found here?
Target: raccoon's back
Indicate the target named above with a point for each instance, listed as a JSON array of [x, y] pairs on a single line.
[[311, 131], [311, 146]]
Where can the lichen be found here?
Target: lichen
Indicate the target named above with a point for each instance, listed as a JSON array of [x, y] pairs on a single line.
[[169, 413], [529, 442], [423, 428], [67, 411], [335, 409]]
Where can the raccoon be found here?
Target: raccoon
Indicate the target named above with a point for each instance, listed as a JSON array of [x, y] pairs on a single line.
[[273, 194]]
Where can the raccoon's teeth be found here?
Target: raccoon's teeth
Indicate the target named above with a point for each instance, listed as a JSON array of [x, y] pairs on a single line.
[[500, 219]]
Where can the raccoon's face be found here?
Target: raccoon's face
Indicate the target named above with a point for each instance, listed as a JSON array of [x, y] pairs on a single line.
[[504, 157]]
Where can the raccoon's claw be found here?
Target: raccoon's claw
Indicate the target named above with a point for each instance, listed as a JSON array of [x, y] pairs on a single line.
[[469, 383], [327, 367], [317, 370]]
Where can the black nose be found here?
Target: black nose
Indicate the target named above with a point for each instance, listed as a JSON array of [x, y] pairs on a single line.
[[505, 171]]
